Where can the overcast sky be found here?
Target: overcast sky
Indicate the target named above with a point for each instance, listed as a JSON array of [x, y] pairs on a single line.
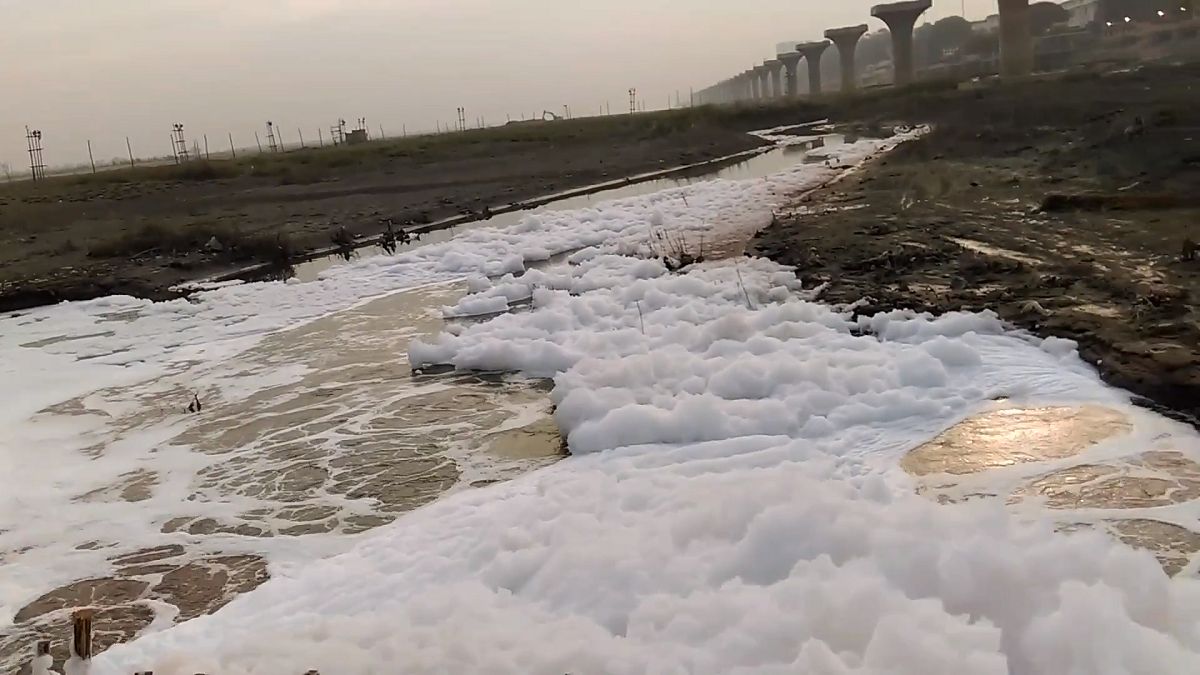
[[107, 69]]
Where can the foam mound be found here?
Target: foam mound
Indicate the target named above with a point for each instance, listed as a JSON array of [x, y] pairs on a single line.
[[735, 502]]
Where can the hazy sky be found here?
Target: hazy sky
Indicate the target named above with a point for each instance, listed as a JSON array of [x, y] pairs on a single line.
[[107, 69]]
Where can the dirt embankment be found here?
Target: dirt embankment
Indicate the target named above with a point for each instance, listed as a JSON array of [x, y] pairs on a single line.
[[139, 232], [1067, 205]]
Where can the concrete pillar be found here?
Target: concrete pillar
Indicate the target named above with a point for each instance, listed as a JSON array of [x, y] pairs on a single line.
[[812, 52], [900, 18], [756, 81], [791, 73], [774, 67], [846, 40], [1016, 40]]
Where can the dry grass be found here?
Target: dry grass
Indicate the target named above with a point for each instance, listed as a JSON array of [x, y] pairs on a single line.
[[160, 240], [312, 165]]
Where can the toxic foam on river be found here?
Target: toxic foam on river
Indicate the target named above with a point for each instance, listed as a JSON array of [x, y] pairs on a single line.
[[735, 503]]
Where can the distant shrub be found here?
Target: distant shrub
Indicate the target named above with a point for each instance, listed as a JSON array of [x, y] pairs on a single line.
[[204, 170], [184, 239]]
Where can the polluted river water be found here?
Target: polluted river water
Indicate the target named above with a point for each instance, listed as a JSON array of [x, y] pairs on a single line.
[[315, 434], [319, 431]]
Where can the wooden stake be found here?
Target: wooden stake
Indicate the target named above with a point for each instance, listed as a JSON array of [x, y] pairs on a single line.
[[207, 155], [301, 132], [90, 157], [81, 632], [258, 142], [232, 150], [130, 149], [321, 137], [41, 659]]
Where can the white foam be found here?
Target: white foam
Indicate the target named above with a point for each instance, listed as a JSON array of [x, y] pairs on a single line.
[[762, 525], [734, 504], [126, 361]]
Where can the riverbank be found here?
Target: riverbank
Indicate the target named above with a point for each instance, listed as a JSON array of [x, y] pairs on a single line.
[[143, 232], [1064, 204]]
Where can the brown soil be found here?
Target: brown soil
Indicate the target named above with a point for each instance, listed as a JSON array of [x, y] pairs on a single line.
[[124, 603], [954, 221], [142, 232]]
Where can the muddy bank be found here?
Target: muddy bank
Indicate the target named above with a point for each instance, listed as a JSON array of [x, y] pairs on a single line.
[[955, 221], [160, 581], [142, 232]]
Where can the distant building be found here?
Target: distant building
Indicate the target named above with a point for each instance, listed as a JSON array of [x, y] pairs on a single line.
[[987, 26], [1129, 11], [1082, 13]]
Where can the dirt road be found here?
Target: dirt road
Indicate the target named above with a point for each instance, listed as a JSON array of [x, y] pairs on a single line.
[[141, 232], [956, 220]]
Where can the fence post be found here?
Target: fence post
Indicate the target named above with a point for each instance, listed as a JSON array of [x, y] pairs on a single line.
[[90, 157], [81, 634], [41, 658]]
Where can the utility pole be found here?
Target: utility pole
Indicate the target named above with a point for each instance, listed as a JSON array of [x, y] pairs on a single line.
[[179, 142], [37, 165], [632, 101]]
